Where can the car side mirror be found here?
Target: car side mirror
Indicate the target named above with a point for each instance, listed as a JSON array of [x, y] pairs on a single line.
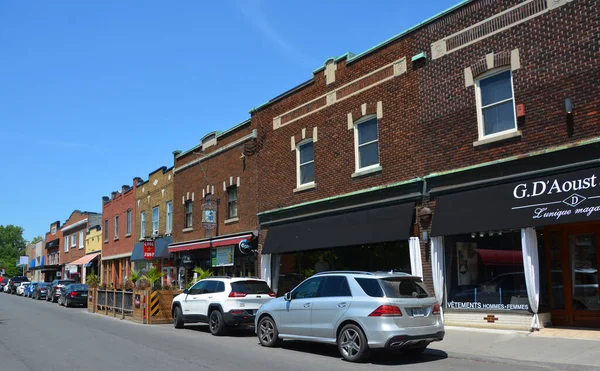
[[287, 296], [185, 291]]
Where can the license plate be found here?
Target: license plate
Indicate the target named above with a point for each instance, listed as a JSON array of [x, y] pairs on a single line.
[[418, 312], [84, 295]]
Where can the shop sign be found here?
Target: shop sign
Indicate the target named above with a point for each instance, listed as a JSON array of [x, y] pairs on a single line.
[[72, 269], [222, 256], [485, 306], [23, 260], [186, 260], [565, 198], [149, 250], [209, 215]]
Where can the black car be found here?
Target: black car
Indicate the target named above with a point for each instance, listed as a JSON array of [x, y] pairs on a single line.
[[3, 282], [74, 294], [15, 282], [40, 291], [55, 288]]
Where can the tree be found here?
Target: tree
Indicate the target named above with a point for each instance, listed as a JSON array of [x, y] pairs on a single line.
[[12, 245], [36, 240]]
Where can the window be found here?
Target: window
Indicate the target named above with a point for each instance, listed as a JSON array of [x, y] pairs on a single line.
[[210, 287], [232, 211], [73, 240], [305, 163], [81, 239], [105, 230], [116, 227], [188, 214], [495, 104], [143, 224], [335, 286], [53, 230], [169, 217], [155, 212], [197, 289], [366, 139], [308, 289], [128, 222], [67, 244]]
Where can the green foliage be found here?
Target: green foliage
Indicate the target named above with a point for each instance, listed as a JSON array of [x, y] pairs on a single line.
[[12, 245], [36, 240], [153, 276], [135, 276], [202, 274], [92, 279]]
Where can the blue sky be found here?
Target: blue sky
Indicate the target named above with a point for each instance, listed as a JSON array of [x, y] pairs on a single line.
[[94, 93]]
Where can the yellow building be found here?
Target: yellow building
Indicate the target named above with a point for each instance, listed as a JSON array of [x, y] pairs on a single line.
[[93, 247]]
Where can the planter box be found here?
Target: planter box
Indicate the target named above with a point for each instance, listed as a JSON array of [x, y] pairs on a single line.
[[159, 306]]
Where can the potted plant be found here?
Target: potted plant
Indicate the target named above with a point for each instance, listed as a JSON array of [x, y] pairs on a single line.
[[153, 277], [92, 280]]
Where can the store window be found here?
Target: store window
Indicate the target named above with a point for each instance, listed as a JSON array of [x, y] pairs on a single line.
[[485, 271]]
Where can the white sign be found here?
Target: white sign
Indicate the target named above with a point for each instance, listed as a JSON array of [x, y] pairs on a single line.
[[222, 256], [72, 269], [477, 305], [23, 260]]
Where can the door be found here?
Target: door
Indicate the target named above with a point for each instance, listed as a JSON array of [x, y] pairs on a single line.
[[334, 300], [294, 318], [191, 302], [573, 274]]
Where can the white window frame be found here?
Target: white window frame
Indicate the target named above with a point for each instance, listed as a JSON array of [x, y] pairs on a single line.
[[66, 248], [480, 122], [356, 146], [53, 230], [142, 225], [128, 222], [229, 189], [157, 221], [81, 239], [185, 214], [105, 232], [116, 223], [169, 221], [298, 176], [73, 240]]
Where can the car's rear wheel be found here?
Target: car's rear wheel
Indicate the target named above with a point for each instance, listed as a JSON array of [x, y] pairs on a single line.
[[268, 335], [178, 318], [352, 344], [216, 323]]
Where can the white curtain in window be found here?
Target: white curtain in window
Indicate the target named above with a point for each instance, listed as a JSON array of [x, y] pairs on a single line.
[[275, 268], [437, 268], [416, 265], [531, 267], [265, 268]]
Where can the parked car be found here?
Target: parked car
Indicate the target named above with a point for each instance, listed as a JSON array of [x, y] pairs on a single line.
[[40, 291], [15, 282], [3, 283], [221, 302], [74, 294], [29, 289], [22, 287], [358, 311], [55, 288], [6, 287]]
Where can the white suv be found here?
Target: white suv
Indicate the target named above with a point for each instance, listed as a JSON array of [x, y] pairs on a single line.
[[221, 302]]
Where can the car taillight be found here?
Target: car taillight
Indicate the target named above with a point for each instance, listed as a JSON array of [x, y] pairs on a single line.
[[73, 294], [272, 294], [436, 309], [235, 294], [386, 311]]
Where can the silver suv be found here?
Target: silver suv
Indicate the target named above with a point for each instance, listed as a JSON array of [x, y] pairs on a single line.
[[358, 311]]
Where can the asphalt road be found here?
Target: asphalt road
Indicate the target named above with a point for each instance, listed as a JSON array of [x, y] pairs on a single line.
[[41, 336]]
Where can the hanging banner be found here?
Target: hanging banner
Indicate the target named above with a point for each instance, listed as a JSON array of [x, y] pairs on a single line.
[[149, 250], [222, 256]]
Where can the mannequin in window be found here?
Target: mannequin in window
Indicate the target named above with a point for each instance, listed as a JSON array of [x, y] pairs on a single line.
[[321, 265]]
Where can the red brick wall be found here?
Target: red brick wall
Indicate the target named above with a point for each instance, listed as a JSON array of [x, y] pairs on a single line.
[[217, 169], [119, 206], [75, 252], [51, 237]]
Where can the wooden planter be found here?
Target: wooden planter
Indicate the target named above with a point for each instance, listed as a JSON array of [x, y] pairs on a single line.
[[159, 306]]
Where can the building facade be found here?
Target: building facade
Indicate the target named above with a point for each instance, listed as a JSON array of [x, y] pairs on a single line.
[[470, 127], [215, 204], [118, 235], [73, 247], [52, 267], [154, 212]]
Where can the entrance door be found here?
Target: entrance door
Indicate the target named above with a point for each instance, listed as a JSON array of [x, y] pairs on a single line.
[[573, 260]]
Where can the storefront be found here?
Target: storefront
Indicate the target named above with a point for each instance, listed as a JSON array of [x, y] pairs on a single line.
[[521, 251], [221, 255], [162, 260], [361, 237], [79, 269]]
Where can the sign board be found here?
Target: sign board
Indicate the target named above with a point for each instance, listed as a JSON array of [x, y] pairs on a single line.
[[149, 249], [209, 215], [23, 260], [245, 246], [58, 274], [222, 256], [72, 269], [536, 202]]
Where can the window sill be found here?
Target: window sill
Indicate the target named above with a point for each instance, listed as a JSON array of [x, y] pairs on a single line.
[[498, 138], [305, 187], [190, 229], [367, 171], [105, 241], [128, 235], [116, 239], [80, 247], [231, 220]]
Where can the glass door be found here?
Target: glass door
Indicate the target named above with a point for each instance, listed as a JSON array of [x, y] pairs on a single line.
[[583, 266]]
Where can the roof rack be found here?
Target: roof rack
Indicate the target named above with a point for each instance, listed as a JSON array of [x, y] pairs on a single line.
[[344, 272]]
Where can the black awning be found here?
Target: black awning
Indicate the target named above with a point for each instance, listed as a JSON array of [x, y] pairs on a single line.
[[161, 249], [383, 224], [52, 244], [559, 199]]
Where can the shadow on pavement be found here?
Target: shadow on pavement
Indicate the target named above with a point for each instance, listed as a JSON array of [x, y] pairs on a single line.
[[238, 332], [378, 357]]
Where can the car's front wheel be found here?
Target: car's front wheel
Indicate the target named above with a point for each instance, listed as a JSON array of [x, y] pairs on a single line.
[[177, 318], [268, 335], [352, 344], [216, 323]]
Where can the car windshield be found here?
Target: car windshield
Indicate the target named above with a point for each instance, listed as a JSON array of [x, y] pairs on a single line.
[[251, 287], [64, 283], [404, 288], [78, 287]]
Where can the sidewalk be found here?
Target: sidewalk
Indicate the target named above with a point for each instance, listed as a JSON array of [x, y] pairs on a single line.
[[543, 348]]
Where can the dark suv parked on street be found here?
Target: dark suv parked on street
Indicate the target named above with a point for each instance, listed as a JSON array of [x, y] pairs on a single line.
[[15, 282], [55, 288]]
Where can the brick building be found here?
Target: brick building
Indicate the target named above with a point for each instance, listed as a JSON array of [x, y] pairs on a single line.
[[73, 251], [214, 205], [51, 267], [154, 211], [448, 129], [119, 235]]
